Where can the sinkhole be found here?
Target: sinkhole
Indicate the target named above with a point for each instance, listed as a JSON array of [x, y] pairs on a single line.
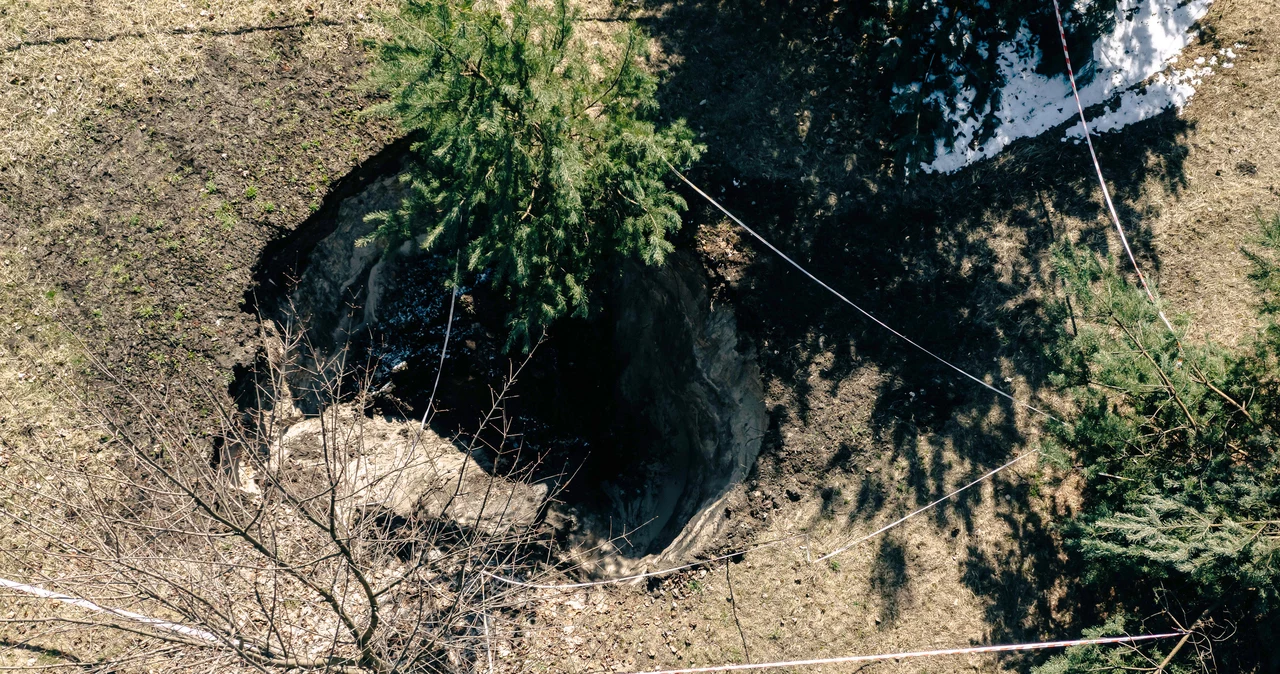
[[641, 418]]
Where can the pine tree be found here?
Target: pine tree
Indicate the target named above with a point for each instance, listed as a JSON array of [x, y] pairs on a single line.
[[540, 160], [1177, 442]]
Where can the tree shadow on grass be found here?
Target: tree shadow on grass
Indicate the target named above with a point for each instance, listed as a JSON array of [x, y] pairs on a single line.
[[1021, 577], [889, 578], [39, 651], [956, 262]]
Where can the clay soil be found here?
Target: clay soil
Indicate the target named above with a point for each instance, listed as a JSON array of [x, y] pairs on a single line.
[[150, 151]]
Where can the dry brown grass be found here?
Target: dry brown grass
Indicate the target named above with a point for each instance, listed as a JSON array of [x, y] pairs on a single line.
[[68, 62], [790, 609], [1231, 174], [915, 587], [53, 88], [67, 72], [43, 21], [39, 356], [1228, 179]]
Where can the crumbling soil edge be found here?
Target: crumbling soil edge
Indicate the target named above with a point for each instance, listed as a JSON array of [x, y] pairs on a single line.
[[279, 265]]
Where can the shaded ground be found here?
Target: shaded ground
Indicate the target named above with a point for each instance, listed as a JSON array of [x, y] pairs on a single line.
[[865, 428]]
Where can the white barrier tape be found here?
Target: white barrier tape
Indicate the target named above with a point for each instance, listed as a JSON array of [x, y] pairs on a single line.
[[860, 310], [895, 523], [1106, 194], [1043, 645], [154, 623]]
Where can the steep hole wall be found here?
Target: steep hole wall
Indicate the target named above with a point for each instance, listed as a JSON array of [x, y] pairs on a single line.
[[655, 407]]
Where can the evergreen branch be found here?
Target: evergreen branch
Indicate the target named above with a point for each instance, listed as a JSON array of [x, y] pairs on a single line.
[[623, 66], [1205, 380], [498, 92], [1168, 384]]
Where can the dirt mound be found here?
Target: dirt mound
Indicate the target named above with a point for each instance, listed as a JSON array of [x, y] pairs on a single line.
[[413, 473]]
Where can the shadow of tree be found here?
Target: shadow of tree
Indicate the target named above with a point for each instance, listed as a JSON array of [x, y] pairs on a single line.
[[1021, 576], [956, 262], [40, 651], [889, 578]]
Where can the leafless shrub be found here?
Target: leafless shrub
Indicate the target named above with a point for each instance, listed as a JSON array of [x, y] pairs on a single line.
[[354, 544]]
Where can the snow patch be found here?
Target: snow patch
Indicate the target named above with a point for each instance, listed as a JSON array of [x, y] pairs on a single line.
[[1135, 74]]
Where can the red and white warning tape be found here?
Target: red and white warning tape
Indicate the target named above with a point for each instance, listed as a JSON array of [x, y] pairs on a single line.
[[712, 560], [202, 635], [1043, 645], [1106, 193], [881, 530], [959, 370]]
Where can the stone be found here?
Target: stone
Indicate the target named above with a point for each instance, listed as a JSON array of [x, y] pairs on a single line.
[[413, 473]]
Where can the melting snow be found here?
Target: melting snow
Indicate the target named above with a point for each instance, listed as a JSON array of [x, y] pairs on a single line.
[[1134, 69]]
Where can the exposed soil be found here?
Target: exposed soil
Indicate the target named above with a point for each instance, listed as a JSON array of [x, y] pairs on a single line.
[[865, 428], [144, 168], [148, 218]]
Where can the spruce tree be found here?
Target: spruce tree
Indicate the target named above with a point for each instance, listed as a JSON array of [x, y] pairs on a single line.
[[540, 161], [1176, 438]]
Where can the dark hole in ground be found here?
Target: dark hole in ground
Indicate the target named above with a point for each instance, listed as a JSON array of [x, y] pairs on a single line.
[[649, 406], [561, 411]]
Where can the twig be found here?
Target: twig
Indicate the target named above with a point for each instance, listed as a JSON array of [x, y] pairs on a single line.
[[1185, 637], [1163, 377], [1205, 380], [733, 604]]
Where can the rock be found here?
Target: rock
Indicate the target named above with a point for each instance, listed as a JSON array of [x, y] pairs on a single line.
[[698, 411], [340, 288], [412, 475]]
